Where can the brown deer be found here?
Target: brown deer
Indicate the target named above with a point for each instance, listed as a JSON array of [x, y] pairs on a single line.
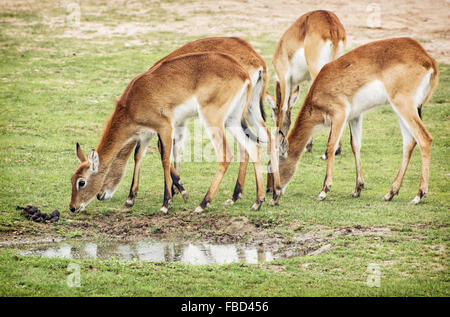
[[313, 40], [396, 71], [249, 59], [214, 85]]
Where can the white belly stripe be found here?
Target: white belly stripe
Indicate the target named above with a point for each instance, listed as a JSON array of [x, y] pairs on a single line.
[[185, 111], [371, 95]]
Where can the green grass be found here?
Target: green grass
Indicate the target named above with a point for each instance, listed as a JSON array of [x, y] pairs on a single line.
[[342, 272], [56, 91]]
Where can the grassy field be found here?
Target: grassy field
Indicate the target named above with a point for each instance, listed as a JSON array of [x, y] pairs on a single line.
[[57, 90]]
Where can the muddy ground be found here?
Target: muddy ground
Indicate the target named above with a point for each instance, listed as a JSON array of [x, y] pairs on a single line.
[[182, 227]]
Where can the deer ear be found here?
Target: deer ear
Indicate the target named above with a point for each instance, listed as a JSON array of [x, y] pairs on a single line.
[[80, 154], [270, 101], [93, 161]]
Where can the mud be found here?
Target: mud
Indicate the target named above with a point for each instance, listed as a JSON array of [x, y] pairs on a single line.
[[179, 237], [203, 249], [182, 238]]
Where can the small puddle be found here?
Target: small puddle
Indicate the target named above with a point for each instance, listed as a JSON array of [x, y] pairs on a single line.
[[150, 251]]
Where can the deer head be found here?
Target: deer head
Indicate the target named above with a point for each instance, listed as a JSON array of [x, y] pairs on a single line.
[[86, 180]]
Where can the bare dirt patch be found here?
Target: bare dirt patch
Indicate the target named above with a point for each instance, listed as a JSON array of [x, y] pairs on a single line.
[[426, 21], [123, 225]]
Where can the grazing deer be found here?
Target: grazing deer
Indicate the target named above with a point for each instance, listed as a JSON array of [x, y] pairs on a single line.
[[257, 69], [214, 85], [312, 41], [396, 71]]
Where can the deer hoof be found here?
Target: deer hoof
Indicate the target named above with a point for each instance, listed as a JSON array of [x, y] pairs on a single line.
[[415, 201], [129, 203], [356, 194], [256, 206], [199, 210], [164, 210], [321, 196], [185, 195], [228, 202]]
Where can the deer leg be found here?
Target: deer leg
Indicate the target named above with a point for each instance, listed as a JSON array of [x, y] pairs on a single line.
[[355, 141], [252, 149], [337, 152], [413, 131], [175, 166], [178, 184], [273, 166], [165, 144], [309, 145], [224, 157], [239, 187], [178, 144], [260, 195], [269, 178], [139, 153], [337, 127], [408, 147], [264, 135]]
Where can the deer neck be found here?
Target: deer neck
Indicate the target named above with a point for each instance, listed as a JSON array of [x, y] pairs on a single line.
[[117, 133], [302, 130]]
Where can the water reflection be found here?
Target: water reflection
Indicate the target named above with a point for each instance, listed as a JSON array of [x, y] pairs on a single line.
[[91, 249], [151, 251]]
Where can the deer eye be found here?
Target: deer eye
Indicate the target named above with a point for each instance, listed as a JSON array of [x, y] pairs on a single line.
[[81, 183]]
